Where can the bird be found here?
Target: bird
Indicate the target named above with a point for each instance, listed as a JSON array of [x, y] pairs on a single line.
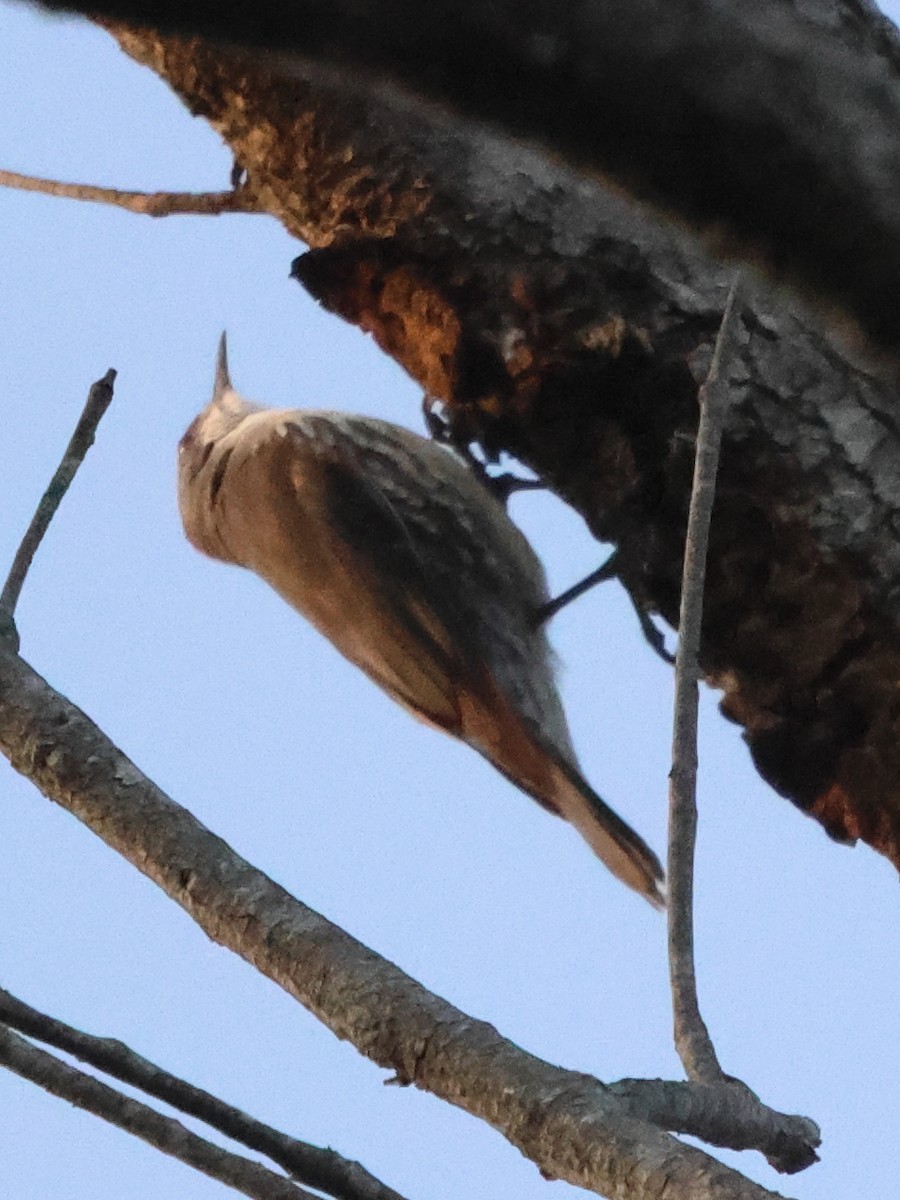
[[394, 550]]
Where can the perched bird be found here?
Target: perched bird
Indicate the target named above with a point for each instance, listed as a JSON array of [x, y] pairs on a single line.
[[391, 547]]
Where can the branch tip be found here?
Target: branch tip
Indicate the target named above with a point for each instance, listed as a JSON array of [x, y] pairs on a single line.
[[98, 401]]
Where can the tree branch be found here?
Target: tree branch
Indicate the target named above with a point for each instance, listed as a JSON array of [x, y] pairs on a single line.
[[566, 1122], [555, 322], [149, 204], [322, 1169], [164, 1133], [99, 399], [731, 116], [706, 1111], [692, 1039]]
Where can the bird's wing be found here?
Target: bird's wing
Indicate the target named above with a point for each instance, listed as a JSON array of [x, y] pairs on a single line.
[[453, 564], [430, 593], [298, 511], [494, 727], [411, 654], [478, 584]]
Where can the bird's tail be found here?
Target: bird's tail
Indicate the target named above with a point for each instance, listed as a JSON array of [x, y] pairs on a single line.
[[613, 841]]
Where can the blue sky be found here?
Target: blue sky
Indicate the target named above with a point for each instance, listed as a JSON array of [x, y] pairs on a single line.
[[246, 716]]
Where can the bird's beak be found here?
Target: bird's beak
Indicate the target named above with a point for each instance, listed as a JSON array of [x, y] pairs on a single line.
[[223, 380]]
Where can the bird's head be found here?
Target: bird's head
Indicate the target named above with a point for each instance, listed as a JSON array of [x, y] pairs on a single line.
[[205, 445], [224, 412]]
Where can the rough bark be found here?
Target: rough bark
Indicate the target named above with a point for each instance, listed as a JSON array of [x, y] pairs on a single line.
[[559, 324], [569, 1124], [741, 119]]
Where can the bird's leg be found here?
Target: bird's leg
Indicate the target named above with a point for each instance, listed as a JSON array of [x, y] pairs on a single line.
[[238, 176], [654, 637], [504, 485], [609, 570], [441, 430]]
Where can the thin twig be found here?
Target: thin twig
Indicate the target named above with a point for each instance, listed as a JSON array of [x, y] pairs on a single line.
[[325, 1170], [98, 401], [148, 204], [165, 1133], [692, 1040]]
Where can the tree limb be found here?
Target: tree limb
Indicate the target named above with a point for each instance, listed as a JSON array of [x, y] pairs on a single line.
[[556, 323], [322, 1169], [731, 116], [572, 1126], [706, 1111]]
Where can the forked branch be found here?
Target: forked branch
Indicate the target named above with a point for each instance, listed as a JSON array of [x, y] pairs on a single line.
[[573, 1127]]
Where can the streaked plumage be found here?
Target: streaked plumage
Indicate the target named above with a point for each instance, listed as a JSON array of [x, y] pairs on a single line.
[[391, 547]]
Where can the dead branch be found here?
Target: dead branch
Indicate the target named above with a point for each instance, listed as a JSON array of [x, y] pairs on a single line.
[[99, 398], [164, 1133], [325, 1170], [692, 1039], [776, 103], [148, 204]]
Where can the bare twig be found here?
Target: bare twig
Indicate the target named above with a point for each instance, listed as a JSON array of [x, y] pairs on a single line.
[[692, 1039], [568, 1123], [325, 1170], [148, 204], [165, 1133], [98, 401]]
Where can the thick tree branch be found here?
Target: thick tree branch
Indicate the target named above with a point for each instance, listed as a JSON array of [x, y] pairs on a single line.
[[148, 204], [558, 324], [164, 1133], [322, 1169], [572, 1126], [735, 117]]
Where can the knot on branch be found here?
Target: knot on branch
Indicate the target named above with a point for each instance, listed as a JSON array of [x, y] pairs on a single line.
[[725, 1114]]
